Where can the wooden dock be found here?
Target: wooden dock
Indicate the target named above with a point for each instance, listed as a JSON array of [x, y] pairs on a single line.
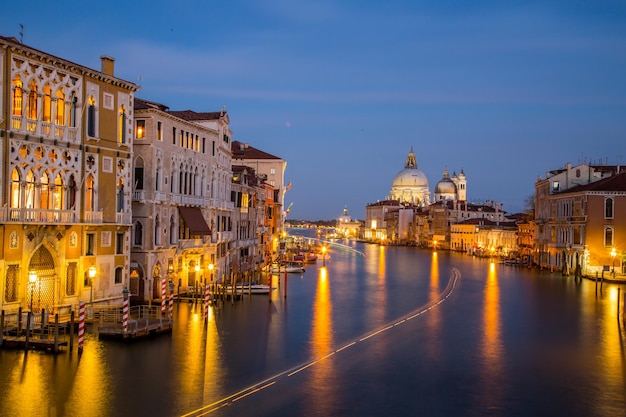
[[35, 331], [143, 322]]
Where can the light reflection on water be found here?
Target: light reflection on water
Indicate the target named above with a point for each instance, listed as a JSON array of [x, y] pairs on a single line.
[[508, 341]]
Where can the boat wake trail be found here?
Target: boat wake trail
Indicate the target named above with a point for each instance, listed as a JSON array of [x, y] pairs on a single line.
[[455, 276]]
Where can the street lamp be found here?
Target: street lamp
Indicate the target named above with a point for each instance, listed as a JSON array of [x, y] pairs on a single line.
[[91, 272], [32, 278], [613, 253], [324, 255]]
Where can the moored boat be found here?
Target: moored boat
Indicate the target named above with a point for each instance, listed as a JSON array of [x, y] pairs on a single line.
[[248, 288], [292, 267]]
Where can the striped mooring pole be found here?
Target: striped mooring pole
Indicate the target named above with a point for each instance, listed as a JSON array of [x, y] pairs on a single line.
[[171, 298], [207, 297], [163, 295], [125, 312], [81, 326]]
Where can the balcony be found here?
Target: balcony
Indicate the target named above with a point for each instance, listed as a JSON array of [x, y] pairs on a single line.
[[43, 129], [190, 243], [93, 217], [32, 215], [123, 218]]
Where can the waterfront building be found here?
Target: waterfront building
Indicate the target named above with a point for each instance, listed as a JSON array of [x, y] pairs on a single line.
[[272, 168], [182, 208], [579, 218], [347, 226], [66, 149]]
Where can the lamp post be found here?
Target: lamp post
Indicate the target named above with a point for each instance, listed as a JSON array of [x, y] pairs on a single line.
[[32, 278], [91, 272], [324, 255], [613, 253]]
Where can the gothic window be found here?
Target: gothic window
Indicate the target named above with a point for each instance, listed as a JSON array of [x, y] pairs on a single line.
[[58, 202], [90, 193], [47, 104], [157, 231], [121, 134], [30, 190], [120, 196], [73, 110], [60, 108], [157, 179], [18, 96], [16, 189], [91, 117], [72, 192], [140, 129], [608, 208], [172, 230], [138, 241], [31, 104], [44, 191], [139, 174]]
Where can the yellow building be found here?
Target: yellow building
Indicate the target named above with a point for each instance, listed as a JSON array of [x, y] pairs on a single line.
[[66, 146]]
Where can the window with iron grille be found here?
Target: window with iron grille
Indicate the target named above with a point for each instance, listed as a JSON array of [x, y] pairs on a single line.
[[70, 280], [10, 291]]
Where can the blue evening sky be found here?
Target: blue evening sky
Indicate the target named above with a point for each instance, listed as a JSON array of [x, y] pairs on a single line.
[[343, 89]]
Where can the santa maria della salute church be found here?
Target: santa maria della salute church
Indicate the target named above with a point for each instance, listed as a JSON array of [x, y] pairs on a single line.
[[410, 186], [412, 215]]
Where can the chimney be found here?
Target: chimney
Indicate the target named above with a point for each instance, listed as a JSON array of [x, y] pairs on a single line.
[[107, 64]]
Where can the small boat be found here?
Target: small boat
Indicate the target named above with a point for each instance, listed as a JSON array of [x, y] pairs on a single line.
[[310, 258], [248, 288], [293, 267]]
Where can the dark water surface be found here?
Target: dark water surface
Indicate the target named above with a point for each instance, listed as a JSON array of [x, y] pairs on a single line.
[[397, 332]]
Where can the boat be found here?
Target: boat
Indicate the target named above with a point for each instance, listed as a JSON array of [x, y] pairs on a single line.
[[293, 267], [310, 258], [248, 288]]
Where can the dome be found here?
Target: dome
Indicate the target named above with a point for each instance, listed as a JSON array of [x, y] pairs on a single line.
[[411, 185], [446, 188]]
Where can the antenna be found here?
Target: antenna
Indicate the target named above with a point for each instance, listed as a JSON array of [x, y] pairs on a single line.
[[21, 33]]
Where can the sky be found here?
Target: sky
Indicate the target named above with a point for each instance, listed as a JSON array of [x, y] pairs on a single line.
[[343, 89]]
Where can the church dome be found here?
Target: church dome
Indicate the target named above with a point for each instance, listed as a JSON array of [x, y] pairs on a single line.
[[446, 188], [411, 185]]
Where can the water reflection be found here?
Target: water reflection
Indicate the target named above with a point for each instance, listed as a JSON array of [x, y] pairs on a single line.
[[433, 318], [491, 344], [322, 343]]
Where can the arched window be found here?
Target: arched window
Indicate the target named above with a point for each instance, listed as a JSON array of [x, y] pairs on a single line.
[[16, 189], [138, 234], [73, 109], [119, 275], [121, 125], [18, 96], [157, 231], [60, 108], [58, 201], [608, 237], [120, 196], [139, 174], [157, 179], [30, 190], [91, 117], [90, 193], [608, 208], [172, 231], [44, 191], [47, 104], [31, 105]]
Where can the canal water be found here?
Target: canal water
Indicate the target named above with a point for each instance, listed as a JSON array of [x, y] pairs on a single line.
[[373, 331]]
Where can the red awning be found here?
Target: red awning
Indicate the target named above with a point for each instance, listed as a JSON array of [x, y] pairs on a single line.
[[194, 220]]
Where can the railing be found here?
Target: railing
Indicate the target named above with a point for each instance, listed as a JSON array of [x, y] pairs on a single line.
[[123, 218], [28, 215], [190, 243], [139, 195], [93, 217], [46, 129]]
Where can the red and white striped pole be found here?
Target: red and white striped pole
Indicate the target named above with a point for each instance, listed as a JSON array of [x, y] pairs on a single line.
[[171, 299], [125, 312], [163, 296], [207, 297], [81, 326]]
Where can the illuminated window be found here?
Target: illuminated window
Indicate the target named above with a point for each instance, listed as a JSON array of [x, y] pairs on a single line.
[[140, 129], [159, 131], [44, 193], [47, 104], [70, 282], [121, 125], [57, 194], [608, 208], [608, 237], [31, 104], [18, 96], [89, 193], [91, 116], [59, 117], [16, 189], [555, 186], [30, 190]]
